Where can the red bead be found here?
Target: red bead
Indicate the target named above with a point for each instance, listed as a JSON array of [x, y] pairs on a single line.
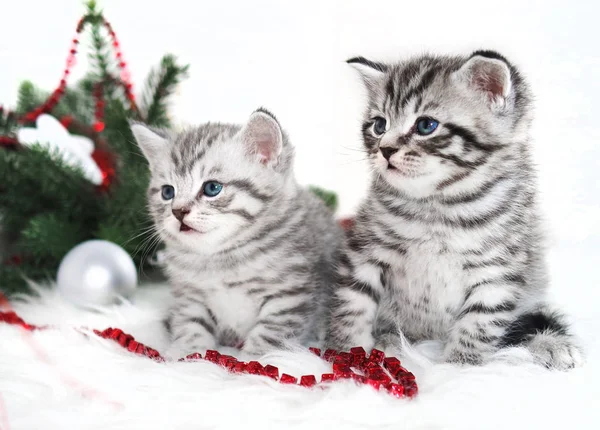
[[308, 380], [381, 377], [326, 377], [231, 364], [376, 356], [75, 41], [125, 75], [255, 368], [98, 126], [193, 357], [398, 373], [115, 44], [132, 346], [212, 355], [288, 379], [370, 366], [119, 55], [395, 390], [223, 359], [345, 374], [99, 104], [271, 371], [122, 64], [374, 383], [346, 223], [346, 356], [341, 367], [122, 339], [152, 353], [411, 391], [391, 361], [341, 360], [358, 350], [406, 376], [141, 349], [106, 332], [329, 354], [315, 351], [115, 334], [240, 367]]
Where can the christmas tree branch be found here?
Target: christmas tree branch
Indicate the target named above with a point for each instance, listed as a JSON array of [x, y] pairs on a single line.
[[160, 85], [329, 197]]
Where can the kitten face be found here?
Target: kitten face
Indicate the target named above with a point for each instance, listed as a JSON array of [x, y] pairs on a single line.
[[210, 182], [427, 117]]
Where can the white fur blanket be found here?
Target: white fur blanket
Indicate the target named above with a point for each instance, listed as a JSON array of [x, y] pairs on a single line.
[[61, 379]]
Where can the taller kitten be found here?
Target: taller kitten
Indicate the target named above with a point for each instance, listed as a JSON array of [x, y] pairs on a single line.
[[448, 244], [249, 253]]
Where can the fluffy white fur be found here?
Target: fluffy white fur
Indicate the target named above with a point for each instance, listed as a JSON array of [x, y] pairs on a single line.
[[61, 379]]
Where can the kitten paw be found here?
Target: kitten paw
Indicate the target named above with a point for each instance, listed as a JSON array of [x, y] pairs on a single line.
[[253, 349], [556, 351], [254, 346], [460, 356], [390, 344]]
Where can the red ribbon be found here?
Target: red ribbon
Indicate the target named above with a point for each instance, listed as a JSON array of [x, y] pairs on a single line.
[[376, 369]]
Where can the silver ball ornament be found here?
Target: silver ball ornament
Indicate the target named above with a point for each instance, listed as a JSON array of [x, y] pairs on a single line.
[[96, 272]]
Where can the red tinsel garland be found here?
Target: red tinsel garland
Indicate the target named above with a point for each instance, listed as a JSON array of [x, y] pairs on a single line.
[[101, 155], [376, 369], [125, 78]]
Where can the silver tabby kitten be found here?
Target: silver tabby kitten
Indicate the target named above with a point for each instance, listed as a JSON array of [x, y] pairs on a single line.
[[448, 244], [249, 253]]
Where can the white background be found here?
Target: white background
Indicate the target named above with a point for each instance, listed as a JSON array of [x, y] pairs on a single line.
[[289, 56]]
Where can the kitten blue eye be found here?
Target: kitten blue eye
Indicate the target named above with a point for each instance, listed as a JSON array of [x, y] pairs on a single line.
[[168, 192], [379, 125], [426, 126], [212, 188]]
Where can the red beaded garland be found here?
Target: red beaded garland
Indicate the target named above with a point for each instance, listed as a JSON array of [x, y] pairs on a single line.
[[343, 363], [124, 78]]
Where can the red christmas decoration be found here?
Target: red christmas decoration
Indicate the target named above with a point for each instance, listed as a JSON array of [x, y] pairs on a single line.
[[124, 78], [101, 156], [376, 370]]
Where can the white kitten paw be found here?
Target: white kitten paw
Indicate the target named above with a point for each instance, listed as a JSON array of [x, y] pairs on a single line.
[[462, 356], [556, 351]]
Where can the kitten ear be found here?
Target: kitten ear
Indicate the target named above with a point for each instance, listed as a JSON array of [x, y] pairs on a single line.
[[262, 137], [488, 73], [153, 142], [371, 72]]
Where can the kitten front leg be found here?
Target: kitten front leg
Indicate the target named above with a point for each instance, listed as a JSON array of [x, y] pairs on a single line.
[[193, 329], [354, 306], [488, 309], [283, 316]]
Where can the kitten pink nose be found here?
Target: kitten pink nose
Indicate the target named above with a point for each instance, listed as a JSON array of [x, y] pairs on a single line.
[[387, 152], [180, 213]]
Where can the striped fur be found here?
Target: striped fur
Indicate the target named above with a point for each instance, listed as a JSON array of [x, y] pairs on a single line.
[[448, 243], [258, 272]]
